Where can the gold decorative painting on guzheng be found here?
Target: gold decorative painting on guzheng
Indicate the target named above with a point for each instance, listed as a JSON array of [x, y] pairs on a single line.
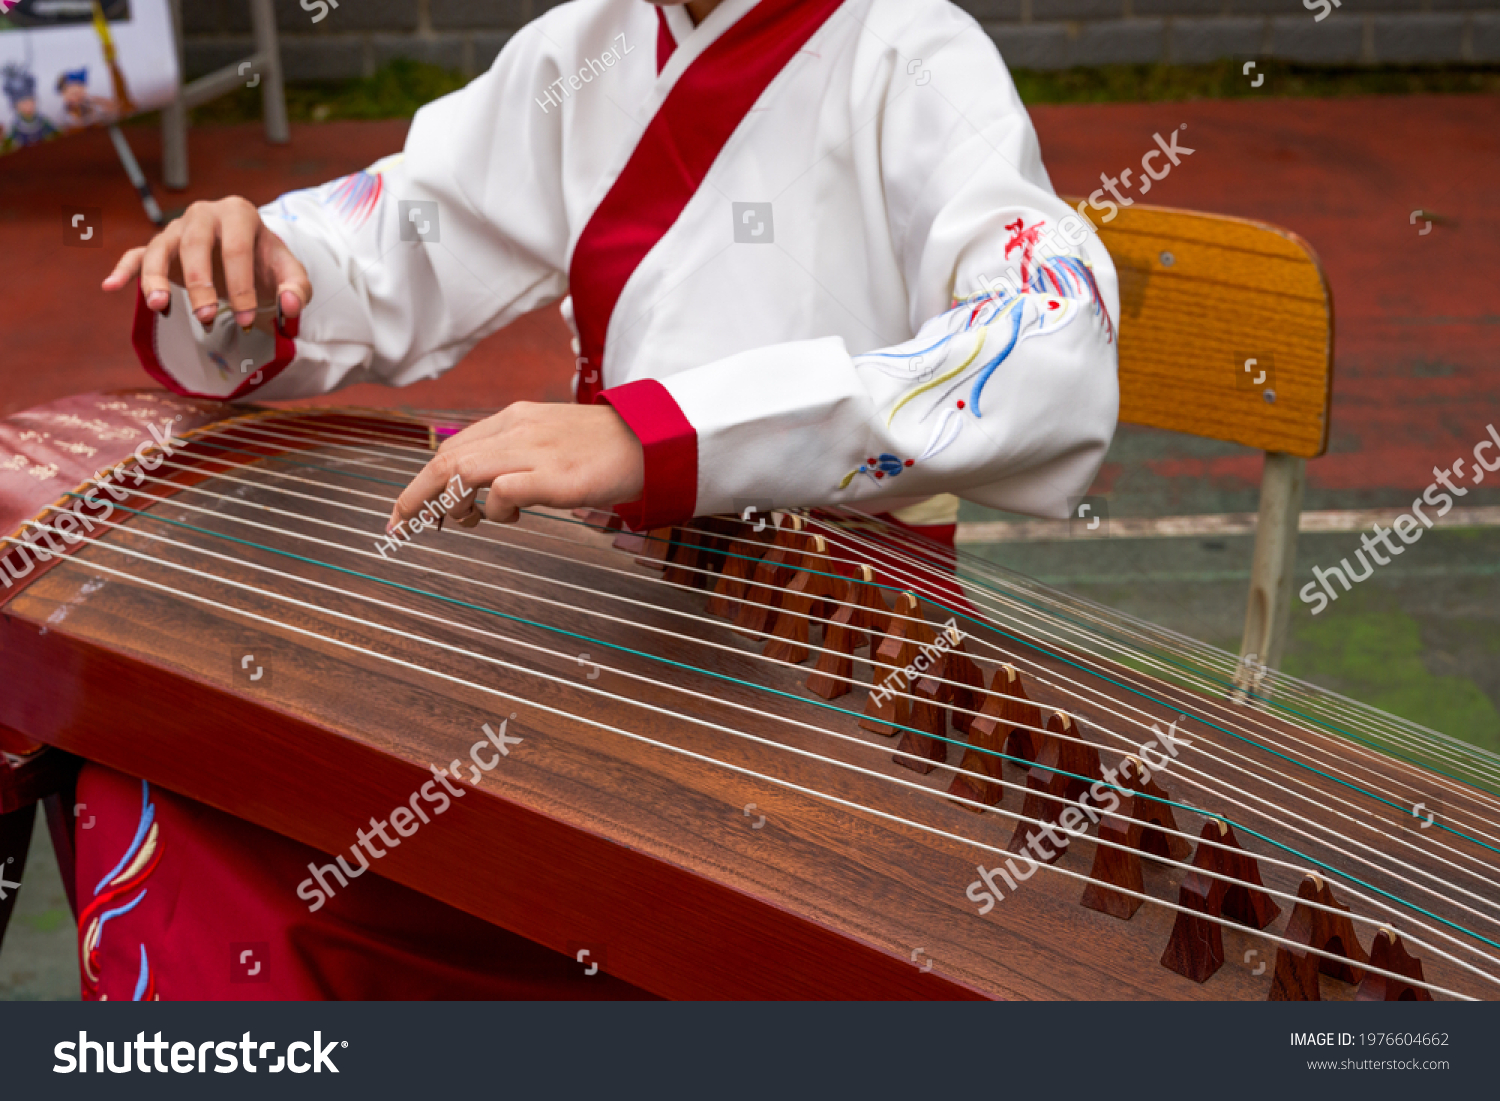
[[799, 755]]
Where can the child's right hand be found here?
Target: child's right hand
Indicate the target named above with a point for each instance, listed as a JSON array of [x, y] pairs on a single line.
[[215, 250]]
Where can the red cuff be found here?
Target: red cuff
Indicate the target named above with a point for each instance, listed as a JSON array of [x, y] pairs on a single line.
[[143, 337], [670, 446]]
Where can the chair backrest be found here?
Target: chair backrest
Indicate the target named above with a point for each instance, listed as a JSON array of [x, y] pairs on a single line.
[[1201, 296]]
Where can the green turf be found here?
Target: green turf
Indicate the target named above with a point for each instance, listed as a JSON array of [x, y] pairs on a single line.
[[1416, 640], [1377, 650], [398, 88]]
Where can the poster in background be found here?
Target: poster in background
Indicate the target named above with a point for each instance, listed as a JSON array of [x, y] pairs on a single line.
[[68, 64]]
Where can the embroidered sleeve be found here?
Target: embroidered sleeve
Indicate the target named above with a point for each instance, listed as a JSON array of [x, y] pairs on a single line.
[[412, 260]]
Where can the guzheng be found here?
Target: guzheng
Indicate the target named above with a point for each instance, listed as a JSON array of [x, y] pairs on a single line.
[[804, 755]]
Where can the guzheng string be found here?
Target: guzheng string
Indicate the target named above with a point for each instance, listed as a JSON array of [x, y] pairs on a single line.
[[1443, 746], [449, 554], [325, 438], [1286, 685], [363, 450], [347, 473], [1336, 779], [1220, 726], [223, 556], [1303, 764], [1098, 620], [261, 431]]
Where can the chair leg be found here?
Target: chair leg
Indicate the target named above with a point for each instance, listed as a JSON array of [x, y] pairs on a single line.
[[174, 158], [15, 843], [1270, 602], [273, 94]]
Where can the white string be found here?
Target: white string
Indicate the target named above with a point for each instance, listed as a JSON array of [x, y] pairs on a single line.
[[1319, 799], [1473, 757], [1209, 788]]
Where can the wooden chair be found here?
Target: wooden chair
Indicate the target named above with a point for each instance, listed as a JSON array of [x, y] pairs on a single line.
[[263, 66], [1209, 305]]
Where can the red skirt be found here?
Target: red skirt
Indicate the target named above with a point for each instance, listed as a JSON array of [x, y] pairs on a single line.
[[181, 901]]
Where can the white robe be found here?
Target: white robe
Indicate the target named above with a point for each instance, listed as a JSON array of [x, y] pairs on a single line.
[[817, 359]]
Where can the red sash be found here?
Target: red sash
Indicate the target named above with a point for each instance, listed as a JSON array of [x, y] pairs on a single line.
[[669, 164]]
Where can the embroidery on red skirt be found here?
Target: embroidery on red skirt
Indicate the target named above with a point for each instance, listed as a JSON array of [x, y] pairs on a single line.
[[126, 878]]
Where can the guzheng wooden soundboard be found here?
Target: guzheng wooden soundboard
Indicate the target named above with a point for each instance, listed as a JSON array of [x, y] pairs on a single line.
[[775, 757]]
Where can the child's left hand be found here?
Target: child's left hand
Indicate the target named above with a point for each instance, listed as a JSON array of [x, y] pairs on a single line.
[[554, 454]]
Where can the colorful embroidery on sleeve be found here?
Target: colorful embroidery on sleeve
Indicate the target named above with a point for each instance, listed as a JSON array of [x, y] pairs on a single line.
[[988, 327]]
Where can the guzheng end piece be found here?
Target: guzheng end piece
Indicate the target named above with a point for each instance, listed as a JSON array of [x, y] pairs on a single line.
[[1001, 710], [1244, 902], [742, 553], [1053, 785], [928, 749], [1296, 976], [656, 545], [1026, 736], [1196, 948], [777, 567], [963, 684], [802, 601], [1117, 867], [872, 619], [684, 559], [631, 542], [833, 675], [1159, 836], [598, 519], [1389, 954], [887, 706]]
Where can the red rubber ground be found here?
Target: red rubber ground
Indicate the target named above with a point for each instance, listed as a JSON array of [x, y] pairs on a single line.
[[1418, 316]]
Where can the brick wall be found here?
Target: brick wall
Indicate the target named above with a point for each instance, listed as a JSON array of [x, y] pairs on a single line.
[[360, 35]]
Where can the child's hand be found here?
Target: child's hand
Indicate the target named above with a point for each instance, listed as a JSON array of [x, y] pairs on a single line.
[[216, 249], [558, 455]]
